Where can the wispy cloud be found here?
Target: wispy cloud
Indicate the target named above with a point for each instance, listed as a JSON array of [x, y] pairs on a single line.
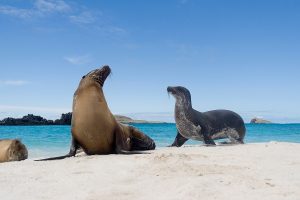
[[14, 82], [39, 9], [74, 13], [96, 21], [85, 17], [78, 60], [16, 12], [52, 6]]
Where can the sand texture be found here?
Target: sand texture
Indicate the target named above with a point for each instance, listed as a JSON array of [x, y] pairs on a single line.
[[241, 172]]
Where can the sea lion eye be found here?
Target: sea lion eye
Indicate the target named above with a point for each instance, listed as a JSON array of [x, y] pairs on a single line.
[[83, 77]]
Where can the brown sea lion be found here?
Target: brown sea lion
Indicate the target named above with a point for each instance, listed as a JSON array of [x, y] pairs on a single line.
[[12, 150], [93, 126]]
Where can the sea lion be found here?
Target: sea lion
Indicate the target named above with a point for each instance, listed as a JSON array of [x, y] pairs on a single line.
[[204, 126], [93, 126], [12, 150]]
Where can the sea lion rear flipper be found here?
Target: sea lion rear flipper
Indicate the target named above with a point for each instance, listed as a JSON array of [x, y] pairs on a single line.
[[140, 141], [73, 149], [130, 140]]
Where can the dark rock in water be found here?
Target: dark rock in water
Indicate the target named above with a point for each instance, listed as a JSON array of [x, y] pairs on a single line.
[[259, 121], [50, 122], [65, 119], [34, 120], [29, 119], [8, 121]]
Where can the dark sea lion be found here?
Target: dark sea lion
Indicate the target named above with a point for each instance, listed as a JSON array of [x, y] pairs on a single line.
[[204, 126], [93, 126], [12, 150]]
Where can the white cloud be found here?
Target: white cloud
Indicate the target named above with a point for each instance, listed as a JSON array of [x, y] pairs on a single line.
[[14, 82], [74, 13], [83, 18], [78, 60], [41, 8], [52, 6], [17, 12]]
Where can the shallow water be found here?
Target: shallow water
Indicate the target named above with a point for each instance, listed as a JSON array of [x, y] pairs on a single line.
[[43, 141]]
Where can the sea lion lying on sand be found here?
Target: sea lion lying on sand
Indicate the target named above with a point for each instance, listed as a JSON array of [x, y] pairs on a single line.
[[204, 126], [93, 126], [12, 150]]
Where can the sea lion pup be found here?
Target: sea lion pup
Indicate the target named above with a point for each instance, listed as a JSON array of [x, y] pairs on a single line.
[[12, 150], [204, 126], [93, 126]]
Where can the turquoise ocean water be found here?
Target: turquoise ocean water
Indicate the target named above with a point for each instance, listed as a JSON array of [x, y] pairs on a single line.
[[43, 141]]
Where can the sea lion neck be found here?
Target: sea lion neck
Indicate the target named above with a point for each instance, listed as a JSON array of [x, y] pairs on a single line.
[[183, 103], [90, 89]]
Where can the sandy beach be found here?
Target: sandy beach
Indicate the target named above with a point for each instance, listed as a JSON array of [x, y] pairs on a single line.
[[250, 171]]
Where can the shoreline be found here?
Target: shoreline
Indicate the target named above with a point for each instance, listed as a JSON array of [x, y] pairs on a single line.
[[250, 171]]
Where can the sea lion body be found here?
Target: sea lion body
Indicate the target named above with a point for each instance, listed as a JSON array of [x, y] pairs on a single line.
[[12, 150], [93, 126], [204, 126]]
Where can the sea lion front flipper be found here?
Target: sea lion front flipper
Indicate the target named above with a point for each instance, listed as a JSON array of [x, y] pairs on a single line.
[[179, 140], [72, 152], [207, 140]]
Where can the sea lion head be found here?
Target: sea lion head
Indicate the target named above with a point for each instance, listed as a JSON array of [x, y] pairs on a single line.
[[138, 140], [97, 76], [17, 151], [180, 93]]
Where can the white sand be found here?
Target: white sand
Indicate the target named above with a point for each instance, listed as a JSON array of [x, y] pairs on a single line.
[[251, 171]]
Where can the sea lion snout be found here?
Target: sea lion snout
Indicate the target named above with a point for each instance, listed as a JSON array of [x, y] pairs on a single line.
[[104, 71], [179, 91], [99, 75], [171, 90]]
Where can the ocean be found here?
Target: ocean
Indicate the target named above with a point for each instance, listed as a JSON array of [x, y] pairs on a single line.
[[44, 141]]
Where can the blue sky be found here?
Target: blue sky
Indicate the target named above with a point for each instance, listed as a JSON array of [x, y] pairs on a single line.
[[237, 55]]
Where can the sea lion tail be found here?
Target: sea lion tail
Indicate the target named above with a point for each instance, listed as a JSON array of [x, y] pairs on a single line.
[[55, 158], [72, 152]]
